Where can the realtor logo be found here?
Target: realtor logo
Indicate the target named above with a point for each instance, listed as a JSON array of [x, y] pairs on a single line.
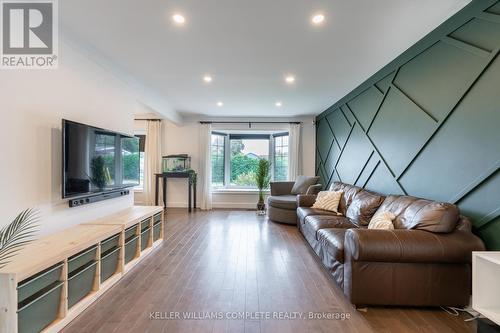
[[29, 34]]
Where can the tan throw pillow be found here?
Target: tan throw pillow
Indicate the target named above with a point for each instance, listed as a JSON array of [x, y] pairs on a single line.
[[382, 220], [328, 200]]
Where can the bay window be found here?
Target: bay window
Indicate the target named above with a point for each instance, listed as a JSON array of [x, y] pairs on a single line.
[[235, 158]]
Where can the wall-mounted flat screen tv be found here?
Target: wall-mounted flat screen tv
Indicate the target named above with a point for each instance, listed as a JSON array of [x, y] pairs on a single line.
[[97, 161]]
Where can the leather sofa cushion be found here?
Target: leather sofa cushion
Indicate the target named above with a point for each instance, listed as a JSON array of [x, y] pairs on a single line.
[[283, 201], [306, 200], [363, 207], [422, 214], [314, 223], [411, 246], [332, 241], [304, 212], [349, 192]]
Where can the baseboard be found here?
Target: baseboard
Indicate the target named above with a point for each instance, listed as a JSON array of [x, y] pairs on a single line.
[[227, 205], [235, 205], [177, 204]]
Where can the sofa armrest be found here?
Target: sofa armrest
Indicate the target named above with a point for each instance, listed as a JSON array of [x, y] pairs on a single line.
[[410, 246], [306, 200], [314, 189], [281, 188]]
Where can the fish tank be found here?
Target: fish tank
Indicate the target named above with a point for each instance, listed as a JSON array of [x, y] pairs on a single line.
[[176, 163]]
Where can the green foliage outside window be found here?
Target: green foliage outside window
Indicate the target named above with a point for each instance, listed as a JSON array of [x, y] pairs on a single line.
[[242, 169]]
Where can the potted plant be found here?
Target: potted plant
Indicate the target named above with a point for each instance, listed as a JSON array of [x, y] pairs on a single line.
[[262, 181], [15, 235]]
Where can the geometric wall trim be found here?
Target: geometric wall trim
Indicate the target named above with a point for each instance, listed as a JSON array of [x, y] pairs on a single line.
[[428, 123], [400, 129], [363, 106]]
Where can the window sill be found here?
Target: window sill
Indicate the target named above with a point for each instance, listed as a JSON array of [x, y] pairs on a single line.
[[237, 191]]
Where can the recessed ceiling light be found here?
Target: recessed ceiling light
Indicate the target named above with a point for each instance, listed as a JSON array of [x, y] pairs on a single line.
[[318, 19], [220, 104], [278, 104], [207, 78], [179, 19], [290, 79]]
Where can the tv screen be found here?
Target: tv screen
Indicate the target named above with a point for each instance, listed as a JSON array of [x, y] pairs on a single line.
[[97, 161]]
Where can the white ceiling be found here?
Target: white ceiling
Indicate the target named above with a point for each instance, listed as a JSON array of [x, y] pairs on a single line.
[[248, 46]]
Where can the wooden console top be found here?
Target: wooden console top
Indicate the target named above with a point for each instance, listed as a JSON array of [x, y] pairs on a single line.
[[54, 248], [129, 216], [50, 250]]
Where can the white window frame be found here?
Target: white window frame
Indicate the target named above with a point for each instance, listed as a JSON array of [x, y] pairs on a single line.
[[273, 139], [140, 188], [227, 158]]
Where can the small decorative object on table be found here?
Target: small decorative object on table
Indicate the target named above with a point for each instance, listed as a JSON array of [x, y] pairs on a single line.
[[176, 163], [177, 166], [262, 180]]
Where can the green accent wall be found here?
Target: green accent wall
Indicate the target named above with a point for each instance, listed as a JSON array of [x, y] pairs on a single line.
[[428, 123]]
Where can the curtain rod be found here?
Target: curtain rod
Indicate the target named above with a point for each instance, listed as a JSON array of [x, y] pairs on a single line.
[[251, 122], [152, 119]]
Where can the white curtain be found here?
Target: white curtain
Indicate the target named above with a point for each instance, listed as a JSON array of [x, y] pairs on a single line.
[[152, 160], [294, 165], [205, 172]]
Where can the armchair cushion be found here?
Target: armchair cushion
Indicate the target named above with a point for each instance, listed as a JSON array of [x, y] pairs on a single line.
[[410, 246], [283, 201], [302, 184]]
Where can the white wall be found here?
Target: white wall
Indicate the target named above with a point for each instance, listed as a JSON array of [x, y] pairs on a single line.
[[32, 104], [184, 139]]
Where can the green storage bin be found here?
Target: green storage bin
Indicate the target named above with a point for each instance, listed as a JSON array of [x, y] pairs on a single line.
[[110, 244], [81, 259], [157, 218], [145, 238], [38, 282], [81, 283], [156, 232], [109, 263], [131, 249], [39, 311], [145, 224], [130, 233]]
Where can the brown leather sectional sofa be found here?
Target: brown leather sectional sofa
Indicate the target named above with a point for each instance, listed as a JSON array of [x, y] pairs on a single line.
[[425, 261]]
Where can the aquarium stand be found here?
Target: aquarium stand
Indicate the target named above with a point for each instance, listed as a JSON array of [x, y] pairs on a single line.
[[191, 178]]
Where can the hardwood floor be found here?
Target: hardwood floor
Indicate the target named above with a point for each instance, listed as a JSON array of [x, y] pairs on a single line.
[[231, 262]]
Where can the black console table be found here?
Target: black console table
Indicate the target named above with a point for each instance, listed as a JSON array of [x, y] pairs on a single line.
[[191, 178]]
